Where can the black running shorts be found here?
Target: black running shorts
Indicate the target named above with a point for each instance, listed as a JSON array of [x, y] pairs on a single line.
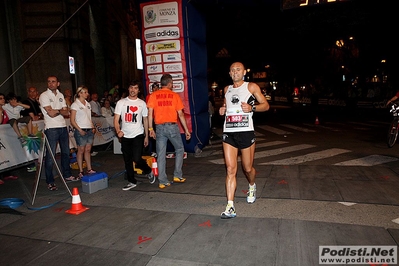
[[240, 140]]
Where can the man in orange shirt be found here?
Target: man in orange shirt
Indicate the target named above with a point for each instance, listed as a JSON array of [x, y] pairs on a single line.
[[164, 107]]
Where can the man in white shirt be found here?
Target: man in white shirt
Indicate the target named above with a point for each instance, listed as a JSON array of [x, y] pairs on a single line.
[[54, 108]]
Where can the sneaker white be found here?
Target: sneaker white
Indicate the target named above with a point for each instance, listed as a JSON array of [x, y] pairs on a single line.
[[129, 186], [230, 212], [94, 153], [251, 195]]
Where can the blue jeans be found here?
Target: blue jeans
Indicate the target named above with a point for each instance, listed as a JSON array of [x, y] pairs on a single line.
[[171, 132], [57, 135], [86, 139]]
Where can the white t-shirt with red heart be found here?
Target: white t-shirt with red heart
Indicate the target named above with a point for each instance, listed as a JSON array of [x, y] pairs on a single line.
[[132, 113]]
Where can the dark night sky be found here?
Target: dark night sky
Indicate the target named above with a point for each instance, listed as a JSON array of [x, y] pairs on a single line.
[[259, 32]]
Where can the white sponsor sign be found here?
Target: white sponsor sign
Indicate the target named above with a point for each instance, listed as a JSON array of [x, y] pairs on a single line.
[[176, 67], [178, 86], [155, 78], [151, 69], [164, 33], [171, 57], [153, 59], [176, 76], [160, 14]]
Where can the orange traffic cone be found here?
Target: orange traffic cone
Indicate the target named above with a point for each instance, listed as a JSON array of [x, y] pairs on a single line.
[[317, 121], [154, 166], [77, 207]]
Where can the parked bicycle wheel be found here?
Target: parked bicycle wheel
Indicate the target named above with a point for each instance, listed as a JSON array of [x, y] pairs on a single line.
[[393, 132]]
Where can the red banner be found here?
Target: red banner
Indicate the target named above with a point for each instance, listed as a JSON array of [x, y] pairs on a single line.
[[163, 46]]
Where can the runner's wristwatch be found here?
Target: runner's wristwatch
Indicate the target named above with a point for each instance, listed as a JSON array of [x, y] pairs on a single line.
[[253, 108]]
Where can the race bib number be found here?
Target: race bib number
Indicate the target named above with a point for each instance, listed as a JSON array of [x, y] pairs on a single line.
[[237, 121]]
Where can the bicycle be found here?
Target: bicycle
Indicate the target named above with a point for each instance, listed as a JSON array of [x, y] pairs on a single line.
[[393, 128]]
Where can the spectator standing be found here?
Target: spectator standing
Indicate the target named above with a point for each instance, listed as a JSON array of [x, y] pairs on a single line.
[[165, 118], [95, 105], [13, 108], [114, 89], [133, 133], [238, 132], [84, 129], [68, 97], [34, 111], [53, 105]]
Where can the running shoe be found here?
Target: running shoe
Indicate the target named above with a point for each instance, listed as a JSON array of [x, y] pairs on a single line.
[[162, 186], [94, 153], [178, 180], [230, 212], [31, 169], [151, 178], [129, 186], [251, 194], [52, 187], [31, 136]]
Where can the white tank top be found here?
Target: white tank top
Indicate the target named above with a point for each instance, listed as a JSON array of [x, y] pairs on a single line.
[[236, 120]]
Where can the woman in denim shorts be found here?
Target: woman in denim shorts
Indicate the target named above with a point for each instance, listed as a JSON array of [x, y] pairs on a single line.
[[84, 129]]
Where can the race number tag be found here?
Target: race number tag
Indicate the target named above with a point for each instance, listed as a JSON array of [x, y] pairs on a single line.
[[234, 118], [237, 121]]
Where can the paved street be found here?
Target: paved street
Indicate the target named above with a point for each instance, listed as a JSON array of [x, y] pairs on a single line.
[[317, 185]]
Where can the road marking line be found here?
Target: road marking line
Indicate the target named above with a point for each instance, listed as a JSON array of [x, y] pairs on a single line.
[[368, 161], [321, 126], [298, 128], [267, 153], [258, 145], [275, 130], [363, 124], [308, 157]]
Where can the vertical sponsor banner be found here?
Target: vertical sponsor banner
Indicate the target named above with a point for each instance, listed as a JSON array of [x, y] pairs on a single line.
[[166, 48], [164, 45]]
